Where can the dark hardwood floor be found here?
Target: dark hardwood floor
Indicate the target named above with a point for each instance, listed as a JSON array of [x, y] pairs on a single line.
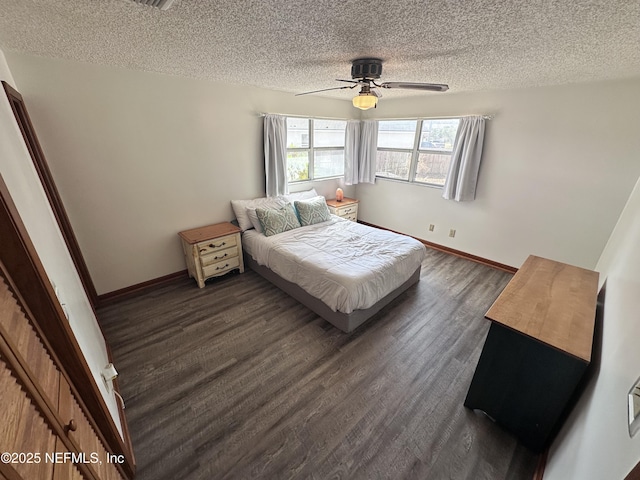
[[238, 380]]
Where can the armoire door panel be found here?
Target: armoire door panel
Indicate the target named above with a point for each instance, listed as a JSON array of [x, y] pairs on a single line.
[[17, 329], [7, 472], [24, 433], [83, 434], [66, 470]]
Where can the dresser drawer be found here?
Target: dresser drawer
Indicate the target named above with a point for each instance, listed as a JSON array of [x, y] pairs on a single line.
[[218, 256], [219, 268], [351, 216], [222, 243]]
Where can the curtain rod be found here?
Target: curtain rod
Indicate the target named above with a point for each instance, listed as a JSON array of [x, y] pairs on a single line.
[[436, 117], [307, 116], [486, 117]]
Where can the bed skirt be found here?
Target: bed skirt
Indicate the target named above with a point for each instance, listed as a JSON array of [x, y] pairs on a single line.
[[347, 322]]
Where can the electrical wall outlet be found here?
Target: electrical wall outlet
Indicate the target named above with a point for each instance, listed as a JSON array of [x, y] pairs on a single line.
[[432, 227], [452, 233]]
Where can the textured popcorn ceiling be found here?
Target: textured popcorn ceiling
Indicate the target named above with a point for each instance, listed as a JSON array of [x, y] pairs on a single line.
[[303, 45]]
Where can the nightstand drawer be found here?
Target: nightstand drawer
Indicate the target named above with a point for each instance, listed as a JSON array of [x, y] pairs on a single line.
[[347, 210], [217, 244], [219, 268], [218, 256]]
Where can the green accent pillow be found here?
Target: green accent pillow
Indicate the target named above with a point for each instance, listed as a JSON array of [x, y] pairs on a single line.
[[277, 220], [312, 211]]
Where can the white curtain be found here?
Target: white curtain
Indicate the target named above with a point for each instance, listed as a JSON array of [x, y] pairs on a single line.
[[275, 155], [465, 160], [368, 150], [351, 152]]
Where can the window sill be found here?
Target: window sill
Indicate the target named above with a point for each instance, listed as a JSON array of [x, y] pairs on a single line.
[[407, 182], [302, 182]]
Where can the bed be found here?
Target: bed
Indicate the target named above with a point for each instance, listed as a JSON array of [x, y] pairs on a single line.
[[342, 270]]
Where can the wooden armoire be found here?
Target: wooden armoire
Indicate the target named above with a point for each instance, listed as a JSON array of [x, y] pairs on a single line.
[[54, 422], [43, 414], [47, 431]]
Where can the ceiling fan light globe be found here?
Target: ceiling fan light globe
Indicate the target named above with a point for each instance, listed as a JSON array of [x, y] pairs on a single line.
[[365, 101]]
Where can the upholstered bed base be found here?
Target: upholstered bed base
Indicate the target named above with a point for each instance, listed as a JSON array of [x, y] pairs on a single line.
[[345, 322]]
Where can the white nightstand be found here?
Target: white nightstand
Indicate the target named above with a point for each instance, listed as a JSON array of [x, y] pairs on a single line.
[[212, 251], [347, 208]]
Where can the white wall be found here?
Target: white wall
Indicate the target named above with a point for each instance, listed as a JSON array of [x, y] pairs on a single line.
[[558, 166], [19, 174], [595, 442], [138, 157]]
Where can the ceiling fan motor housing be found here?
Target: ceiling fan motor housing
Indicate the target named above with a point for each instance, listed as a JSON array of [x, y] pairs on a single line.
[[366, 68]]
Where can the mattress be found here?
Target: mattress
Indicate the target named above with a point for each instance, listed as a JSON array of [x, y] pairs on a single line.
[[347, 265]]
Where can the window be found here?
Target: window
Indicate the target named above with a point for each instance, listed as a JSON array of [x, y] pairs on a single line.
[[315, 148], [416, 151]]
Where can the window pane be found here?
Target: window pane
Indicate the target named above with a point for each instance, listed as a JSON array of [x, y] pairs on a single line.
[[328, 133], [297, 132], [298, 166], [396, 133], [328, 163], [438, 134], [393, 164], [433, 168]]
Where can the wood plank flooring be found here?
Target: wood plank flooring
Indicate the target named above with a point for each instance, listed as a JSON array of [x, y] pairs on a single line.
[[238, 380]]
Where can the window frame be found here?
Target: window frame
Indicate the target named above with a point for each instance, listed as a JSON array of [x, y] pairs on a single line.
[[416, 150], [310, 150]]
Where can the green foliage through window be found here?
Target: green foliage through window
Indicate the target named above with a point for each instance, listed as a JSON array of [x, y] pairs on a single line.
[[315, 148]]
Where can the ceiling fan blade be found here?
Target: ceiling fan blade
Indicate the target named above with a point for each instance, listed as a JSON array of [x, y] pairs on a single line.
[[376, 93], [433, 87], [349, 81], [324, 90]]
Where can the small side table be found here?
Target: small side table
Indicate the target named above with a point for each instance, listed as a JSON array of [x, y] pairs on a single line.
[[347, 208], [212, 251]]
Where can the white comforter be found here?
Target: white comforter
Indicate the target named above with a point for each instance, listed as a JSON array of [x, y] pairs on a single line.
[[347, 265]]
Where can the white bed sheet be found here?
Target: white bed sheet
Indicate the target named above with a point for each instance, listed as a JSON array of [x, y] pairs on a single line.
[[347, 265]]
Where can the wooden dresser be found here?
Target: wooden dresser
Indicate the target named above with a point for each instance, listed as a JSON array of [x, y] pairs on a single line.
[[54, 417], [45, 427], [537, 350], [212, 251], [347, 208]]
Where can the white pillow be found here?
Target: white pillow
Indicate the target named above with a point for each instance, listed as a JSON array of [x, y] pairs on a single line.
[[253, 218], [240, 209], [279, 202], [305, 195]]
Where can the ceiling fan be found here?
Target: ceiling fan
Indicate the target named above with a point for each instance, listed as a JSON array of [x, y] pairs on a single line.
[[365, 72]]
